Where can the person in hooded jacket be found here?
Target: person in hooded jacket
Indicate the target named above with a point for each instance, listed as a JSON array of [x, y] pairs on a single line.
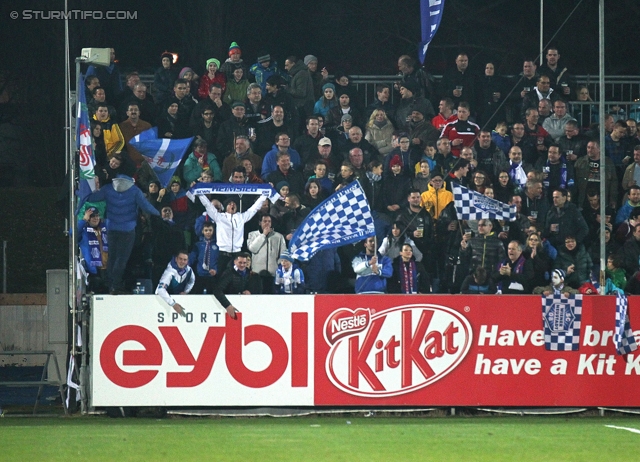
[[124, 200]]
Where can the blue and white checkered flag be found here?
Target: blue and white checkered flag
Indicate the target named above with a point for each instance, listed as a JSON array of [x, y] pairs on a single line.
[[471, 205], [623, 338], [342, 218], [562, 319]]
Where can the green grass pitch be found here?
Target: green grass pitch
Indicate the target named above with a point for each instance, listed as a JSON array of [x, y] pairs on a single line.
[[321, 438]]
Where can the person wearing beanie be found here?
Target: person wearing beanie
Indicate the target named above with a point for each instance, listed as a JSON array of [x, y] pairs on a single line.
[[234, 62], [395, 186], [344, 106], [557, 286], [163, 79], [326, 101], [319, 77], [409, 103], [264, 68], [190, 76], [289, 277], [213, 75]]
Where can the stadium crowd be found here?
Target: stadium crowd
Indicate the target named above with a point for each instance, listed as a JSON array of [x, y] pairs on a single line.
[[531, 142]]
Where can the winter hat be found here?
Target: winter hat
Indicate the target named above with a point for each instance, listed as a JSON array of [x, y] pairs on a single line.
[[166, 54], [94, 212], [561, 274], [227, 202], [346, 118], [234, 48], [264, 58], [329, 85], [175, 179], [411, 86], [309, 58], [286, 256], [281, 184], [184, 71], [395, 160], [213, 60], [420, 107]]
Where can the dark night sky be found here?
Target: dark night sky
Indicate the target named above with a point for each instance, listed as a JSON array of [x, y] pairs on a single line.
[[359, 36], [363, 35]]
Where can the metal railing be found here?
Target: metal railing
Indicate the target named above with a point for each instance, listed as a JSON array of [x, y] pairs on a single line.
[[622, 90]]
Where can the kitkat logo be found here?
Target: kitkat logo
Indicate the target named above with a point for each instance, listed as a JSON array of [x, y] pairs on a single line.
[[343, 322], [394, 351]]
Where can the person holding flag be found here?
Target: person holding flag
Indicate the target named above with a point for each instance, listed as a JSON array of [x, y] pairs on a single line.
[[163, 154]]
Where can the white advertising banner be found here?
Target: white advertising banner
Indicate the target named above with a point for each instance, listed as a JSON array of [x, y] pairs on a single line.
[[145, 354]]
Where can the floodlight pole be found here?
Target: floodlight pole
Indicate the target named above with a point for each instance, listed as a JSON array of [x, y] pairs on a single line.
[[541, 30], [603, 161]]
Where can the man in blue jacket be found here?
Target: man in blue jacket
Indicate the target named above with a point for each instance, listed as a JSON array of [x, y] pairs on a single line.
[[372, 269], [123, 201]]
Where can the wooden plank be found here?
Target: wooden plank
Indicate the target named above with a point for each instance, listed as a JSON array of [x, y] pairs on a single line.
[[22, 299]]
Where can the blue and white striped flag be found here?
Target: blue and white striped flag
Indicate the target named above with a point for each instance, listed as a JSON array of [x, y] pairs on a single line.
[[562, 319], [342, 218], [430, 17], [471, 205], [163, 154], [623, 337]]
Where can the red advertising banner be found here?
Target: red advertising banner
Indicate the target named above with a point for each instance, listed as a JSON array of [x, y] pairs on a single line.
[[385, 350], [357, 350]]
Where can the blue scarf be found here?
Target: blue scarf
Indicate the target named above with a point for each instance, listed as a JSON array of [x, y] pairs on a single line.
[[97, 245], [181, 271], [563, 175]]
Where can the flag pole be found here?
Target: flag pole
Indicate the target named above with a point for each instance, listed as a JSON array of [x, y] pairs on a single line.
[[603, 161]]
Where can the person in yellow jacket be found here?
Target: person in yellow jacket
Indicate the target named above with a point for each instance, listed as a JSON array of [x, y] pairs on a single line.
[[436, 198], [113, 138]]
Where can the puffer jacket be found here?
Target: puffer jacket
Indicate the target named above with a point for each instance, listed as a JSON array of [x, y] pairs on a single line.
[[380, 137], [123, 201]]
